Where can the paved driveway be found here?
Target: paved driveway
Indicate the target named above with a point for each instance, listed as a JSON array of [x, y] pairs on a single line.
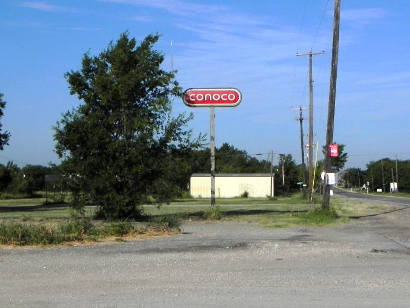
[[362, 264]]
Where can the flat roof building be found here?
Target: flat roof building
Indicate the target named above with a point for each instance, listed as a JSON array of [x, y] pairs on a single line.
[[230, 185]]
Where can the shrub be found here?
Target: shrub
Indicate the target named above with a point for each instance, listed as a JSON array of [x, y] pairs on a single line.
[[319, 216], [166, 222], [245, 194], [119, 228], [213, 213]]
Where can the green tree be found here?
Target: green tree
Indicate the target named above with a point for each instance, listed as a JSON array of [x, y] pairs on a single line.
[[4, 136], [5, 178], [119, 145], [337, 162], [287, 170], [229, 159], [35, 175]]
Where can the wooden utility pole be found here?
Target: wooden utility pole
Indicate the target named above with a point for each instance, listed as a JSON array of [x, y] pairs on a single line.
[[392, 179], [212, 146], [272, 176], [310, 54], [302, 143], [332, 101], [397, 177], [383, 176]]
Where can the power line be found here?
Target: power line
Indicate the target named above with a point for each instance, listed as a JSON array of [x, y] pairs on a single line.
[[320, 24]]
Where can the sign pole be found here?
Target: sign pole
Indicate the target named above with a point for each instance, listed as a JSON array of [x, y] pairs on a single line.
[[206, 97], [212, 146]]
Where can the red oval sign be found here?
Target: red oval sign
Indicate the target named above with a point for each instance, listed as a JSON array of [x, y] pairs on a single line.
[[212, 97]]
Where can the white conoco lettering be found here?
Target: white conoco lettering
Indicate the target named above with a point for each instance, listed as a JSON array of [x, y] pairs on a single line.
[[212, 96], [231, 97]]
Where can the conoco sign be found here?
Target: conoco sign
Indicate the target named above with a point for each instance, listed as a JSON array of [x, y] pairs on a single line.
[[212, 97]]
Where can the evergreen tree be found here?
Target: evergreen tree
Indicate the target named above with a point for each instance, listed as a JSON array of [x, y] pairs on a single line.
[[119, 146]]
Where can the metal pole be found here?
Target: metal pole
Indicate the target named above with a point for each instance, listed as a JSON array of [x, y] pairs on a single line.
[[212, 146], [332, 100], [392, 178], [383, 176], [397, 177], [272, 179]]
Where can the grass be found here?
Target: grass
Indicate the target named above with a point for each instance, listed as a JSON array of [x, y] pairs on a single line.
[[79, 229], [37, 224]]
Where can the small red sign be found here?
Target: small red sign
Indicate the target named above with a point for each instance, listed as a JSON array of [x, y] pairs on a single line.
[[333, 150], [212, 97]]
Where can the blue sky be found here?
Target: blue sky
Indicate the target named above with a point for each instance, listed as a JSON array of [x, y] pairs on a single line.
[[250, 45]]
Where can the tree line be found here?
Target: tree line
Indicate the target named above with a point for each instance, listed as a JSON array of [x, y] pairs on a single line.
[[379, 174]]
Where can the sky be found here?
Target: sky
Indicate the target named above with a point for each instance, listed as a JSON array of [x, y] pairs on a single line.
[[249, 45]]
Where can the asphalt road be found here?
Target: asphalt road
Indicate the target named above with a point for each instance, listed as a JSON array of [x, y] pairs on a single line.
[[388, 200], [362, 264]]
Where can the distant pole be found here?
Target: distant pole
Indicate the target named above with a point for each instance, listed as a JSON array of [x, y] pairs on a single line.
[[272, 177], [383, 176], [358, 175], [302, 142], [332, 101], [392, 179], [397, 176], [212, 145], [283, 173], [310, 54]]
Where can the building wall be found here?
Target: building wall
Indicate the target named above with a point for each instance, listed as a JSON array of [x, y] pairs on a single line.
[[230, 186]]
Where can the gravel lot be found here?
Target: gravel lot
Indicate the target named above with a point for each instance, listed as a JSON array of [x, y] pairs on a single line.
[[362, 264]]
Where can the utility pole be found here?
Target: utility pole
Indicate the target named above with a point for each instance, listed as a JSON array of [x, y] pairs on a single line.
[[332, 101], [302, 143], [310, 54], [358, 174], [383, 176], [212, 146], [392, 178], [397, 177], [272, 176], [283, 172]]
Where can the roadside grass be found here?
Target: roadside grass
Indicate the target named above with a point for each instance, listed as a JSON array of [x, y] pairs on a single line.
[[346, 207], [82, 230], [278, 213], [55, 223], [22, 202]]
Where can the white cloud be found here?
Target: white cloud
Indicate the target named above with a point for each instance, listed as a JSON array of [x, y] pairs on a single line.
[[176, 7], [45, 7], [142, 18], [361, 17]]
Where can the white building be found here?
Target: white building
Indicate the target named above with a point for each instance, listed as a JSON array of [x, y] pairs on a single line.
[[229, 185]]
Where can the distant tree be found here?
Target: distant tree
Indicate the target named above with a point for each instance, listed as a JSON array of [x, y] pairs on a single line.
[[337, 162], [229, 159], [353, 177], [119, 147], [287, 170], [5, 178], [386, 166], [4, 135], [35, 175]]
